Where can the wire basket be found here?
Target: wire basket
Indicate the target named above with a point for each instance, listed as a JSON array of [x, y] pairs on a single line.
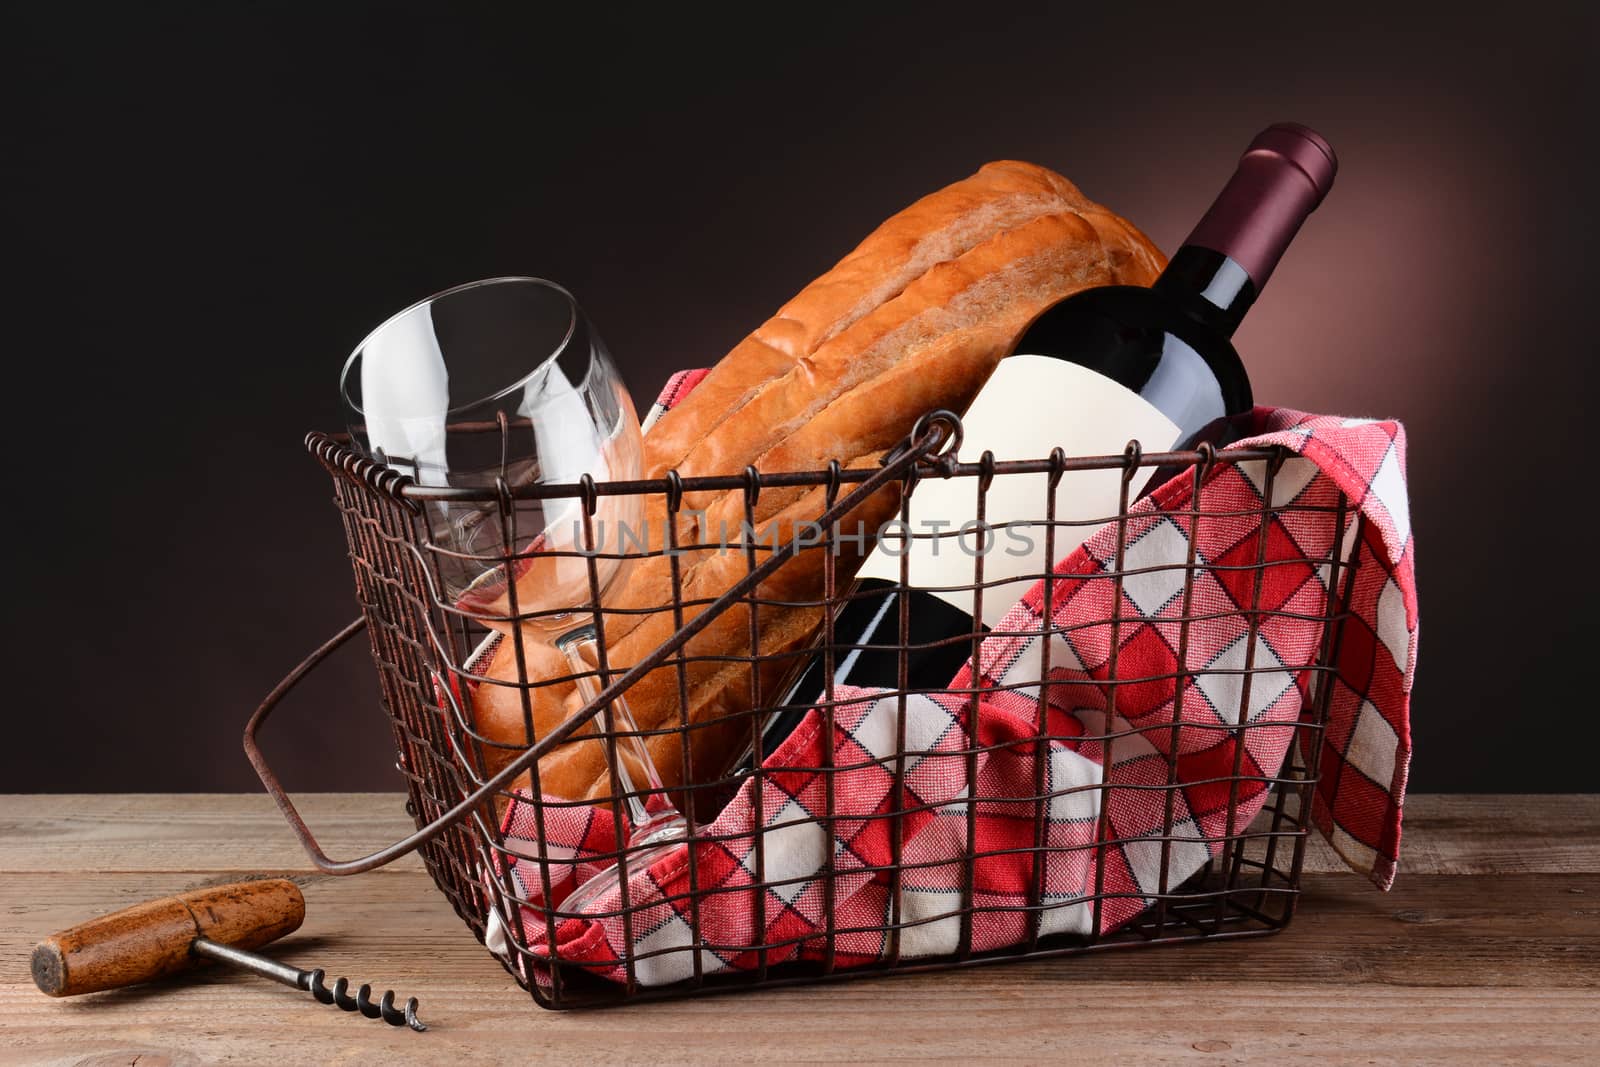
[[1247, 885]]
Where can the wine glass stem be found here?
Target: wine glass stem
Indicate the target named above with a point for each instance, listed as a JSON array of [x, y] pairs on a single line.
[[628, 749]]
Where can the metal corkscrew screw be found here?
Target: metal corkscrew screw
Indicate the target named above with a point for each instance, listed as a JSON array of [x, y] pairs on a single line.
[[170, 935], [313, 982]]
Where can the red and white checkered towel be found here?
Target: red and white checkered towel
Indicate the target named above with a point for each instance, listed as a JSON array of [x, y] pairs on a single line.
[[1365, 748]]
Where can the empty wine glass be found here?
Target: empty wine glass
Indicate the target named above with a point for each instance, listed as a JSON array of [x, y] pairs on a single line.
[[502, 384]]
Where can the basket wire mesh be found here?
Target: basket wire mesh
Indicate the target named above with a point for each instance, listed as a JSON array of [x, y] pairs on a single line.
[[421, 644]]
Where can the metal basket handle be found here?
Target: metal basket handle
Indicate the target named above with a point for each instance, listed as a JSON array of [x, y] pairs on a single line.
[[928, 437]]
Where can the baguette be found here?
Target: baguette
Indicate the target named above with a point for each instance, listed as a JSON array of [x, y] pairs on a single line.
[[914, 319]]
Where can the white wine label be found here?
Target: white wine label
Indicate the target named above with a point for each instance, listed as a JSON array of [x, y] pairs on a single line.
[[1030, 406]]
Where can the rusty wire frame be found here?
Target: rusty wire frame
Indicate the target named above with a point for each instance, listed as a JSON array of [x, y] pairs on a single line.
[[419, 641]]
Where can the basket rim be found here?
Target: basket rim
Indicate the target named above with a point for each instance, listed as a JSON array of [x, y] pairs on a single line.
[[338, 451]]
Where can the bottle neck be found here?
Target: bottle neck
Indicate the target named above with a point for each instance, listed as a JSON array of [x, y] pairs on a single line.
[[1208, 286], [1225, 263]]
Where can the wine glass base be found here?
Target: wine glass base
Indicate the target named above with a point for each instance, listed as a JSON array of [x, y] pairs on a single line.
[[654, 842]]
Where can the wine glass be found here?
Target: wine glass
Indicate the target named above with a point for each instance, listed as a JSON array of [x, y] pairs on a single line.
[[501, 384]]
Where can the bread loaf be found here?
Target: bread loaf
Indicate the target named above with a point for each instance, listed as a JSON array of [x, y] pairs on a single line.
[[915, 318]]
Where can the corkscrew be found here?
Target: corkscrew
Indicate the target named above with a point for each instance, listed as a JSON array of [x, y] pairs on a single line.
[[313, 982], [164, 937]]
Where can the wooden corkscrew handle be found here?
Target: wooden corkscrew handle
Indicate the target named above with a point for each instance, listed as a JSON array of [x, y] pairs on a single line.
[[153, 940]]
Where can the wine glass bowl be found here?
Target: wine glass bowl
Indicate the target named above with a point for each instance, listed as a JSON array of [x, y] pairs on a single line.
[[480, 395], [497, 385]]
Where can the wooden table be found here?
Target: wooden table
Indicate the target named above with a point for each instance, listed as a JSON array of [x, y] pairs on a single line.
[[1488, 948]]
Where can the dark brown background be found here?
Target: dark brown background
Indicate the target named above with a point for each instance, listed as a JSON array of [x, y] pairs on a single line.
[[206, 208]]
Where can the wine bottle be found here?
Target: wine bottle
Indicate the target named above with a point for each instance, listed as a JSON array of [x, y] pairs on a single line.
[[1102, 367]]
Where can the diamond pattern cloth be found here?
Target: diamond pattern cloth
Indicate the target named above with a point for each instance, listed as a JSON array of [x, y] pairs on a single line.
[[1116, 758]]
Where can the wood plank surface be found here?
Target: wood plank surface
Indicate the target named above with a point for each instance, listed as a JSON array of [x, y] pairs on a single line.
[[244, 832], [1487, 949]]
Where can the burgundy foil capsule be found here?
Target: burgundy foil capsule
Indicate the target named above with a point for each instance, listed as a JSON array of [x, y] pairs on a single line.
[[1281, 179]]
